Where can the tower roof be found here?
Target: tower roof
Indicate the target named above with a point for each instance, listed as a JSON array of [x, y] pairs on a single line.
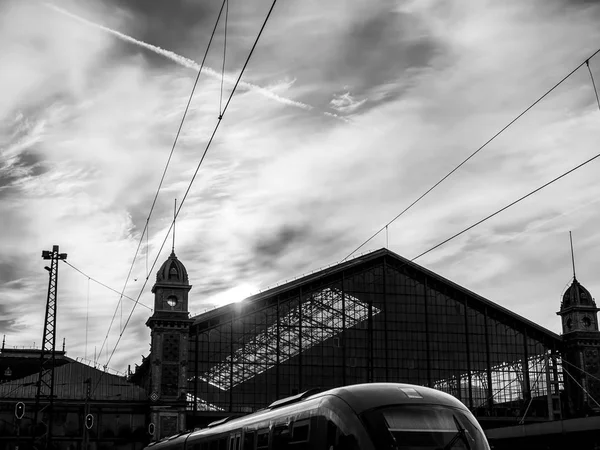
[[577, 295], [172, 272]]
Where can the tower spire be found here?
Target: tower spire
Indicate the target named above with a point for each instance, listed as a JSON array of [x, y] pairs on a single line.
[[174, 218], [572, 255]]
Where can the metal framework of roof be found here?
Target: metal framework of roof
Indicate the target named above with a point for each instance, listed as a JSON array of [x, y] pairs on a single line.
[[199, 404], [214, 316], [321, 317], [507, 379]]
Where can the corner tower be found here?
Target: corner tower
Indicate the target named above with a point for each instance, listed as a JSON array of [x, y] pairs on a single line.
[[581, 338], [578, 310], [169, 329]]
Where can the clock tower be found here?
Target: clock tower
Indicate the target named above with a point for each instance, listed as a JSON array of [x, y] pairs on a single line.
[[581, 344], [169, 329]]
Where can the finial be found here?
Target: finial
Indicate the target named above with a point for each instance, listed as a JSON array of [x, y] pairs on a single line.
[[572, 255], [174, 217], [64, 341], [3, 341]]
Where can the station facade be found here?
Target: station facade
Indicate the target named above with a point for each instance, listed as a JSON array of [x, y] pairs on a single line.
[[375, 318]]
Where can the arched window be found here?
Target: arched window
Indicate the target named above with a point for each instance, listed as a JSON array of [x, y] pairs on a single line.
[[173, 274]]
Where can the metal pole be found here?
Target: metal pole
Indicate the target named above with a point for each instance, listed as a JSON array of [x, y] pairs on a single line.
[[86, 433], [468, 350], [45, 382], [427, 336], [196, 381]]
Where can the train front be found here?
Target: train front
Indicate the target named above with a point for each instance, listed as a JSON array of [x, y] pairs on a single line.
[[405, 417]]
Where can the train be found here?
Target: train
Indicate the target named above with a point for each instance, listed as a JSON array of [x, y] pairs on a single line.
[[372, 416]]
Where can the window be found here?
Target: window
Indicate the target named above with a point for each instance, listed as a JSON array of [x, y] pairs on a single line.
[[249, 438], [300, 432], [281, 437], [262, 440], [419, 427]]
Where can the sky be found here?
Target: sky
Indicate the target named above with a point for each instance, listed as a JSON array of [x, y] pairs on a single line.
[[348, 111]]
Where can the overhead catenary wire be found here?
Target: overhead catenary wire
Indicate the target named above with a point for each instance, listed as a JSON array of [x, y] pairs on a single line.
[[580, 369], [525, 111], [564, 174], [208, 144], [587, 63], [494, 393], [102, 284], [224, 55], [536, 383], [147, 245], [580, 386], [87, 317], [162, 178]]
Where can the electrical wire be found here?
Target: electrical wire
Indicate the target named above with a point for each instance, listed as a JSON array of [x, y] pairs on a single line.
[[102, 284], [536, 383], [509, 205], [87, 317], [494, 393], [580, 369], [475, 153], [224, 55], [20, 386], [580, 386], [219, 120], [165, 169], [147, 246], [587, 63]]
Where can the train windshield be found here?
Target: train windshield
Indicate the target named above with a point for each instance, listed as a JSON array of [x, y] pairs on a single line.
[[410, 427]]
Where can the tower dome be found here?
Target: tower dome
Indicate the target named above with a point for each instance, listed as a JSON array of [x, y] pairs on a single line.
[[577, 295], [172, 272]]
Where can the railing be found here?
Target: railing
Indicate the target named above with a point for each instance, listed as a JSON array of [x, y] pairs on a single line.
[[96, 365]]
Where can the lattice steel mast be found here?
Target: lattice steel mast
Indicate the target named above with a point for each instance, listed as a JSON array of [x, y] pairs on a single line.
[[44, 398]]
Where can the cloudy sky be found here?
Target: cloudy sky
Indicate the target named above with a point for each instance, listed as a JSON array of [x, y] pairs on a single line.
[[351, 110]]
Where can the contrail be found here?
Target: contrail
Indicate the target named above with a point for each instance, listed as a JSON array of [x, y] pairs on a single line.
[[183, 61]]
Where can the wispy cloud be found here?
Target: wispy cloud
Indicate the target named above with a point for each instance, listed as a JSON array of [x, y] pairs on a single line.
[[183, 61], [346, 103]]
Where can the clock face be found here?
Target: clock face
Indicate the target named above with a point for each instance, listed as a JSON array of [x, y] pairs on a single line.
[[172, 301], [569, 324], [586, 321]]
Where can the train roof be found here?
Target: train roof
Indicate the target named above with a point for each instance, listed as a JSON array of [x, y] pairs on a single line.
[[359, 397], [362, 397]]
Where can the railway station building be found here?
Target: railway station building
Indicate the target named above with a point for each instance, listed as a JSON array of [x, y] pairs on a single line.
[[376, 318]]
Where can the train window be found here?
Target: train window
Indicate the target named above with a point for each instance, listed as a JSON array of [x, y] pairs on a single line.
[[300, 432], [347, 442], [262, 440], [281, 437], [423, 428], [249, 440], [234, 442]]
